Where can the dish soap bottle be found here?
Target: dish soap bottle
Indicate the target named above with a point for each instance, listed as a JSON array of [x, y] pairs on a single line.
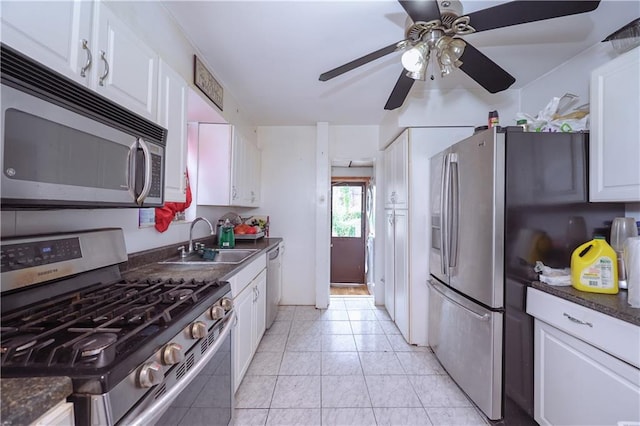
[[594, 267], [226, 238]]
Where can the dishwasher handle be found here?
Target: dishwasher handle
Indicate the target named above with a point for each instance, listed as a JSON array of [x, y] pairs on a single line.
[[273, 254]]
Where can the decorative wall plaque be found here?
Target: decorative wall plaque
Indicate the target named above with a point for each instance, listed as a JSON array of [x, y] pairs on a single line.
[[205, 82]]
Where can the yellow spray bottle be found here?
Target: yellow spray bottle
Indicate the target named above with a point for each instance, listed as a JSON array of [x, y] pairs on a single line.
[[594, 267]]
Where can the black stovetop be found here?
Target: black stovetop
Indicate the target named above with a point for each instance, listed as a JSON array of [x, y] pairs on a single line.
[[103, 331]]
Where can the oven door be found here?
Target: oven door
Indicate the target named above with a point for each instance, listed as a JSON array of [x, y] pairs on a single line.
[[203, 395]]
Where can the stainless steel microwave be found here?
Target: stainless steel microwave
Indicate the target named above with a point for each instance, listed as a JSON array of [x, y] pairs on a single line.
[[65, 146]]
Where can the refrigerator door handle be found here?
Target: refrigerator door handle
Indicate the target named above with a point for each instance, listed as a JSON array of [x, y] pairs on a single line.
[[444, 215], [480, 316], [453, 214]]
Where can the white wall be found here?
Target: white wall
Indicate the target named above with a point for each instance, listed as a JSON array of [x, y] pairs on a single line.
[[323, 216], [352, 171], [288, 196], [453, 108], [17, 223], [353, 142], [389, 129]]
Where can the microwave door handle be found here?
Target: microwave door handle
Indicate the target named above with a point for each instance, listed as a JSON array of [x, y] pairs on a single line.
[[454, 174], [147, 172], [131, 178], [444, 202]]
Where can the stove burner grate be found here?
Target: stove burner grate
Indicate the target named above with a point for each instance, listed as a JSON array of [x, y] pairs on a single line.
[[97, 326]]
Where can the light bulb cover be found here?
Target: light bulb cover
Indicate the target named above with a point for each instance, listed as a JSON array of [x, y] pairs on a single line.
[[413, 60]]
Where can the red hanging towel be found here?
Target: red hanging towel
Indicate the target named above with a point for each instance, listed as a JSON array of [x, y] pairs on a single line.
[[166, 213]]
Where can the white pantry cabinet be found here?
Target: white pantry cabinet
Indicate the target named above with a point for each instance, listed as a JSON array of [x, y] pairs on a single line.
[[228, 167], [586, 364], [389, 264], [172, 115], [407, 237], [397, 268], [396, 173], [250, 307], [86, 42], [615, 130]]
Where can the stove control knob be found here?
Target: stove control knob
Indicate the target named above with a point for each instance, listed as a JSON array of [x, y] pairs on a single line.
[[226, 304], [150, 374], [199, 330], [216, 312], [172, 354]]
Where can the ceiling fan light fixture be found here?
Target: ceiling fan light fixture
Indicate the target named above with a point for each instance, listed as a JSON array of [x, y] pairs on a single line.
[[449, 52], [415, 59]]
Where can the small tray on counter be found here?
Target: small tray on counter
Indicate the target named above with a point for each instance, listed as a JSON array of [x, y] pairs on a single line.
[[255, 236]]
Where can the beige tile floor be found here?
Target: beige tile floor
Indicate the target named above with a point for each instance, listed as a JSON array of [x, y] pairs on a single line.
[[347, 365]]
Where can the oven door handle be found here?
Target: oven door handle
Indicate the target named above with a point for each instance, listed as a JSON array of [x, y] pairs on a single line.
[[153, 413]]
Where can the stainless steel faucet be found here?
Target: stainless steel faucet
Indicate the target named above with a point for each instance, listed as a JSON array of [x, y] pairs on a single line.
[[197, 219]]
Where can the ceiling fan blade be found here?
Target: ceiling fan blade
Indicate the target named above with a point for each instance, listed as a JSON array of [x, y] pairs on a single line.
[[358, 62], [400, 91], [421, 10], [484, 71], [523, 11]]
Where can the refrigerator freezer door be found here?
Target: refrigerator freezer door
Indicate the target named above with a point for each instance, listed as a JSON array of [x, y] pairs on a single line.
[[476, 218], [467, 340], [438, 172]]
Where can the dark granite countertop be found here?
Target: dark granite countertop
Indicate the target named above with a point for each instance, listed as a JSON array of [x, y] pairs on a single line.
[[144, 265], [24, 400], [615, 305]]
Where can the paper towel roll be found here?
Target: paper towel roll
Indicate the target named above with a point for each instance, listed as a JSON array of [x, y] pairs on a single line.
[[632, 260]]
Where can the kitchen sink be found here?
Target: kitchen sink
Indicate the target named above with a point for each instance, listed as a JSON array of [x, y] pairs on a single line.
[[223, 256]]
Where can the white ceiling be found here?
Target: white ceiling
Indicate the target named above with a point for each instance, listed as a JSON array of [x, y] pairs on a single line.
[[269, 54]]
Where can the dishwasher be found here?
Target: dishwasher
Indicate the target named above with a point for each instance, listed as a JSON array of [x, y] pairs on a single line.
[[274, 282]]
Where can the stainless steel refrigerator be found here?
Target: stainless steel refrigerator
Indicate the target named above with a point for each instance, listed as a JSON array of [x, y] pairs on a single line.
[[500, 200]]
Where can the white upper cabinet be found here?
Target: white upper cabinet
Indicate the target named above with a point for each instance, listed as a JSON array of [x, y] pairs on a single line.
[[125, 68], [172, 115], [245, 177], [86, 42], [56, 34], [615, 130], [214, 162], [228, 167]]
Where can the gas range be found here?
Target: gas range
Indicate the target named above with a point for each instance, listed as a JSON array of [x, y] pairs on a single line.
[[125, 344]]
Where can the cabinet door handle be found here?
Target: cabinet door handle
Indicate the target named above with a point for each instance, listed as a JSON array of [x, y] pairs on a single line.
[[186, 183], [103, 55], [576, 320], [87, 65]]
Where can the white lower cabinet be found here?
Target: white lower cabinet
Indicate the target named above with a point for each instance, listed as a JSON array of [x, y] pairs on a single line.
[[577, 384], [250, 307], [60, 415], [577, 378]]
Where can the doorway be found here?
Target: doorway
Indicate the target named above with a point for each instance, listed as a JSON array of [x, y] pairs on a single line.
[[349, 236]]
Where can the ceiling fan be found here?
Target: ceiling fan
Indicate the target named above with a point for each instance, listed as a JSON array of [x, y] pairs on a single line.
[[435, 36]]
